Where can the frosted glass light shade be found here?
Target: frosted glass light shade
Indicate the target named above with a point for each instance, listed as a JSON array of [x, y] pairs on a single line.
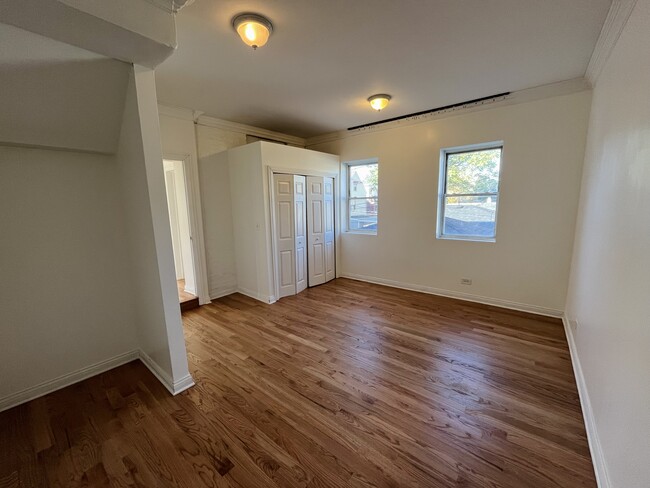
[[253, 29], [379, 102]]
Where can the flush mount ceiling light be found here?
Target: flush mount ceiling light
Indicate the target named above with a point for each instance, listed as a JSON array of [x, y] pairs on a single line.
[[379, 102], [253, 29]]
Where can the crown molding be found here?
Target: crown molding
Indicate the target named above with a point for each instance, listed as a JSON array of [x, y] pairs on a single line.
[[617, 18], [205, 120], [250, 130], [522, 96]]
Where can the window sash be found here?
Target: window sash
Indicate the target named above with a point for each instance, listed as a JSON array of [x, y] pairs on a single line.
[[444, 195], [488, 194], [349, 183], [351, 200]]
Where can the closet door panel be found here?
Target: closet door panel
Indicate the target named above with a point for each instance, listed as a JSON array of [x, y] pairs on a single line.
[[315, 231], [328, 231], [283, 188], [300, 205]]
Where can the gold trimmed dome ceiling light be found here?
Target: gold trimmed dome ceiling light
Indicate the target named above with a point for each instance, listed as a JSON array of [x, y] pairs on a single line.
[[379, 101], [253, 29]]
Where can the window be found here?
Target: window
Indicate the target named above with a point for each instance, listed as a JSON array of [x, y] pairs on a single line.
[[362, 182], [469, 192]]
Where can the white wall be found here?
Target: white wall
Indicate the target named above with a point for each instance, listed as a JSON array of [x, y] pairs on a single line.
[[218, 228], [248, 221], [86, 267], [66, 300], [609, 294], [215, 197], [528, 266]]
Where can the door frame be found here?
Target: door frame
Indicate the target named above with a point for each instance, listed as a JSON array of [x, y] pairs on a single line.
[[195, 217], [271, 170]]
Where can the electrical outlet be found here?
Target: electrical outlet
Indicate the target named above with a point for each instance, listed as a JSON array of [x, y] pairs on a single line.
[[465, 281]]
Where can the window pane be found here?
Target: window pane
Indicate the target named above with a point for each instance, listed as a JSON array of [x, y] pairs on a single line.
[[363, 214], [470, 216], [363, 180], [473, 172]]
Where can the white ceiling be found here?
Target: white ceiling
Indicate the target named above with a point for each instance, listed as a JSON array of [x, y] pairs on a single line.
[[326, 57]]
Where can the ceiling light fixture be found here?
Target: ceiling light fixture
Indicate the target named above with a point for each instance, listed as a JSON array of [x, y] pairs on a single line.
[[253, 29], [380, 101]]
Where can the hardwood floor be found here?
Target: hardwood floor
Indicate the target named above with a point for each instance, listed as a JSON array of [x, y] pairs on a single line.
[[345, 385]]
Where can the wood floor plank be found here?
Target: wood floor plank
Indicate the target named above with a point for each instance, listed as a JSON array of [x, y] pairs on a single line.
[[344, 385]]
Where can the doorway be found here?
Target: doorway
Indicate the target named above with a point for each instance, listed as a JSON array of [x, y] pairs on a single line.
[[180, 225]]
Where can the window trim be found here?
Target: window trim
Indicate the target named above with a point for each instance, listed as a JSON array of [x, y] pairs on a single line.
[[442, 190], [347, 165]]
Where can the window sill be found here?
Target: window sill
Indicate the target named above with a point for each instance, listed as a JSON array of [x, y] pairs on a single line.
[[361, 232], [467, 238]]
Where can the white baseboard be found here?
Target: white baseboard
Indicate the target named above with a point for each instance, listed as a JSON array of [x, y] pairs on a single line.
[[55, 384], [222, 291], [597, 456], [23, 396], [497, 302], [257, 296], [174, 387]]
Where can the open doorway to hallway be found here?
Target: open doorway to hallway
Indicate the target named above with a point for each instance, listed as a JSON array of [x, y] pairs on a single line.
[[179, 220]]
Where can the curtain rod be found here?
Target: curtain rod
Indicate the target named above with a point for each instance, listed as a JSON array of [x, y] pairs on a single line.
[[431, 111]]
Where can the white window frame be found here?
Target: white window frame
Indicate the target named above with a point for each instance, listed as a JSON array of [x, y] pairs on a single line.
[[346, 191], [442, 190]]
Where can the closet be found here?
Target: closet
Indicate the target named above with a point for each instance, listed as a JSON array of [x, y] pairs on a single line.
[[303, 213], [270, 219]]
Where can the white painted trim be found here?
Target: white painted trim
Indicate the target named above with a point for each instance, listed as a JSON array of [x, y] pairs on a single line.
[[195, 217], [617, 17], [257, 296], [199, 118], [50, 386], [522, 96], [497, 302], [174, 387], [55, 384], [250, 130], [597, 456]]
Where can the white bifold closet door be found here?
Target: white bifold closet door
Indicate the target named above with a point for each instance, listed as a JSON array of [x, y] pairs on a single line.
[[320, 229], [290, 233]]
